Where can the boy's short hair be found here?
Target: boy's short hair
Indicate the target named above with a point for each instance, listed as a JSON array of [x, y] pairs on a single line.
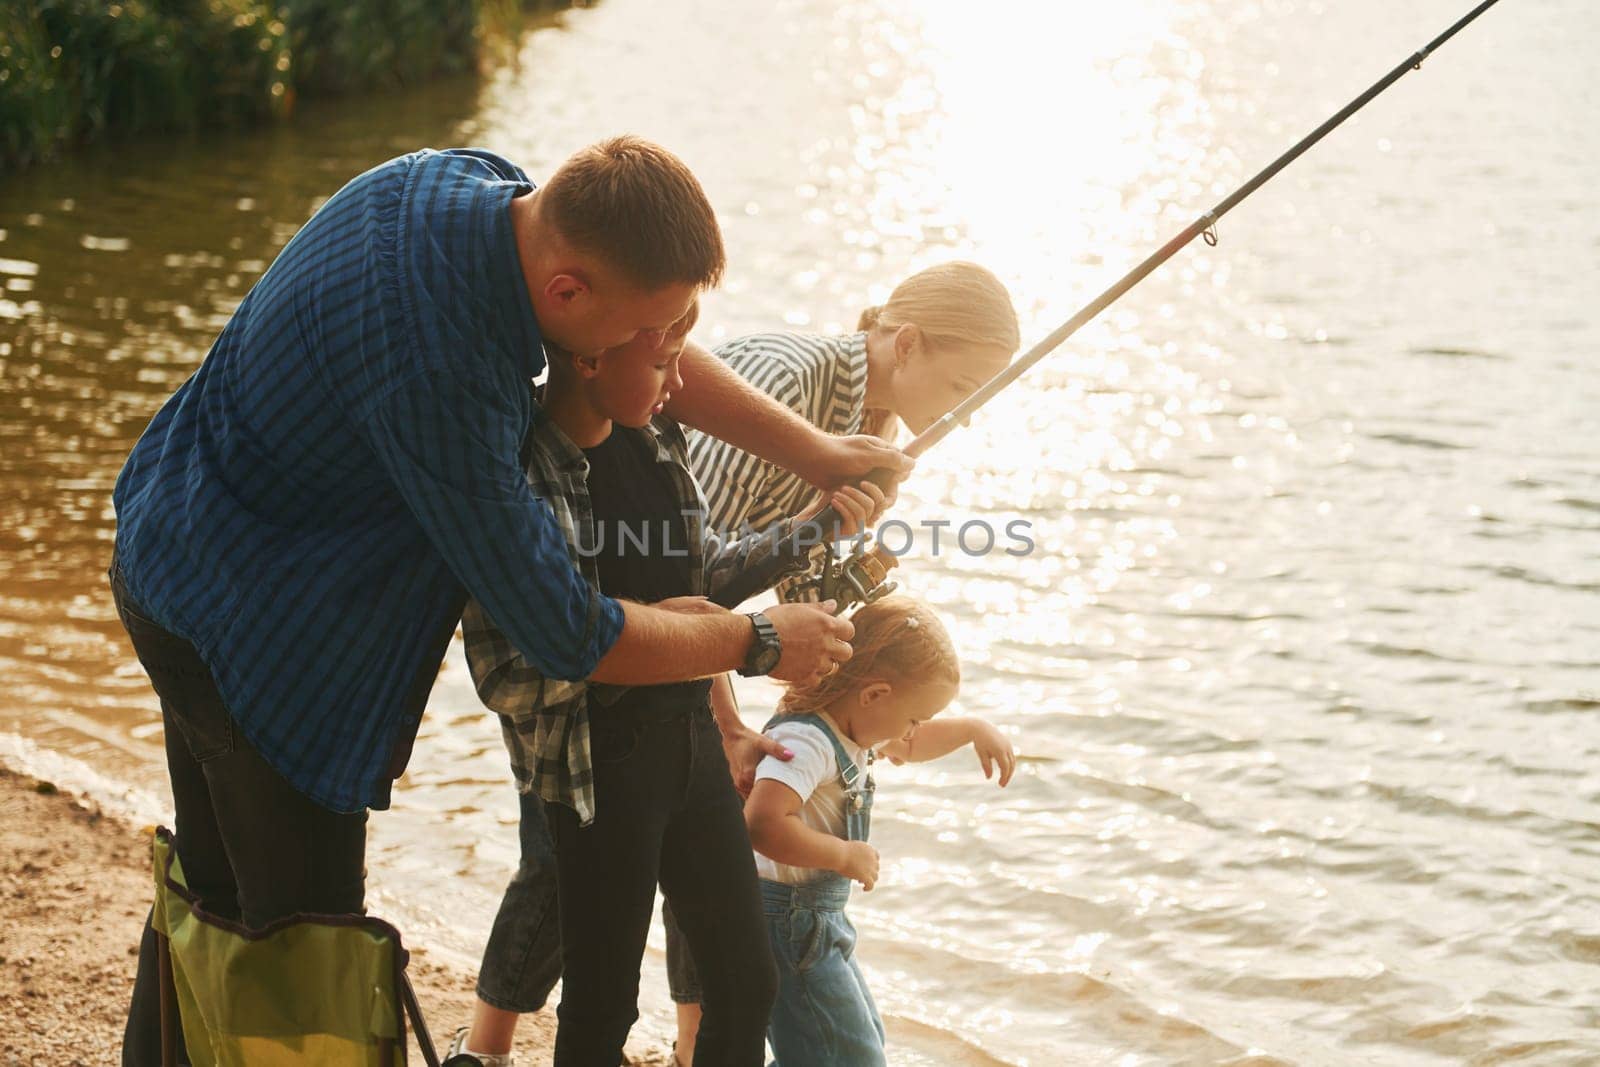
[[559, 359], [638, 207]]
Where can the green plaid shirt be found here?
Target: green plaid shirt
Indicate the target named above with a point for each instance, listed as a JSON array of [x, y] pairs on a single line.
[[545, 721]]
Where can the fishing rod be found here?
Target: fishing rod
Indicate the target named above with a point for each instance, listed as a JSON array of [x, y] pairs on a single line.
[[861, 577]]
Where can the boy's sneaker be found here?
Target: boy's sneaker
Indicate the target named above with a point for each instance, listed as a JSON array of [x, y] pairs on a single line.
[[461, 1056]]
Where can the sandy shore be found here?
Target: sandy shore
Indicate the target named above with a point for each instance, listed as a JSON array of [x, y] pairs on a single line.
[[74, 889]]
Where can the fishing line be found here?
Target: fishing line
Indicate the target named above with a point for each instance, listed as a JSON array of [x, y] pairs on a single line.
[[792, 555]]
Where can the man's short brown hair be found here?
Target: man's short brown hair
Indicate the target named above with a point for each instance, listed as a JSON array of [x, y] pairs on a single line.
[[636, 205], [682, 327]]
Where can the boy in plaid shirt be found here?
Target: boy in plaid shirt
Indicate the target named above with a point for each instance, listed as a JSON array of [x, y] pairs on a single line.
[[636, 779]]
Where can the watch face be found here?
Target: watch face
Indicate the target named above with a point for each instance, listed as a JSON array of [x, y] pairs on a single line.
[[767, 660]]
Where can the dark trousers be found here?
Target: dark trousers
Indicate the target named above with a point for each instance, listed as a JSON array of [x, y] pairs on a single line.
[[253, 848], [522, 961], [683, 980], [665, 808]]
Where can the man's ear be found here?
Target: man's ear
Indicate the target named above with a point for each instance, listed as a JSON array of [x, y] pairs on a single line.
[[566, 288], [873, 692]]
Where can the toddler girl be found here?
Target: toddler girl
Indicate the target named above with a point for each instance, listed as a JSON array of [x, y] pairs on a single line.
[[809, 819]]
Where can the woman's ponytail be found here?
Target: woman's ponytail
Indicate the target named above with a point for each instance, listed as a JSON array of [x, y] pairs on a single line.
[[953, 304]]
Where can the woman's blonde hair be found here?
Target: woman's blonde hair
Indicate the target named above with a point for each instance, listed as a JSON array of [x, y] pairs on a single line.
[[898, 637], [956, 303]]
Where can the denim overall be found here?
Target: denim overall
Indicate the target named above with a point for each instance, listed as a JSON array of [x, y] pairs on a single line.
[[825, 1015]]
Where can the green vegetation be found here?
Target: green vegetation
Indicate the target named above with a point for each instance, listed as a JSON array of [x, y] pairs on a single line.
[[76, 70], [347, 45]]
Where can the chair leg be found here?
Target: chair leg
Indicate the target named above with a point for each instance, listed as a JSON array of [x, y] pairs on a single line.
[[169, 1004], [408, 995]]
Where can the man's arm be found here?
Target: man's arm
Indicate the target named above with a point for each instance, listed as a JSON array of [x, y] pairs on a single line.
[[717, 401], [449, 444], [656, 646], [659, 645]]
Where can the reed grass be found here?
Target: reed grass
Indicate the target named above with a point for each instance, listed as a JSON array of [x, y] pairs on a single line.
[[73, 71]]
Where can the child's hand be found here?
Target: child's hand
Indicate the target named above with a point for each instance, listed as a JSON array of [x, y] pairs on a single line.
[[858, 507], [994, 750], [860, 863]]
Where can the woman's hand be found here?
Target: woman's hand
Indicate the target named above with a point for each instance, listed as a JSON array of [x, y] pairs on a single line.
[[745, 749]]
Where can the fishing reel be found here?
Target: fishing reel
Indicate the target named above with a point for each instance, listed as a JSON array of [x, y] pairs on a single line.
[[858, 579]]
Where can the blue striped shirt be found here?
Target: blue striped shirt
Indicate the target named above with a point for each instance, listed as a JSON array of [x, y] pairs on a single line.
[[312, 508]]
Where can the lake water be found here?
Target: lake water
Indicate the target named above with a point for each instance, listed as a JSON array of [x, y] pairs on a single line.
[[1305, 667]]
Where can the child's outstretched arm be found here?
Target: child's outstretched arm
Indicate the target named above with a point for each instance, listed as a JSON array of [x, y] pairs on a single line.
[[943, 736], [772, 815]]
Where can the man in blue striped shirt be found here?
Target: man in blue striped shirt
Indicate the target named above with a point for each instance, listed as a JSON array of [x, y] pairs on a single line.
[[300, 524]]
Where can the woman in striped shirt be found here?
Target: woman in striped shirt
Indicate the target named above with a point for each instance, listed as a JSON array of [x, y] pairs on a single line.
[[943, 332]]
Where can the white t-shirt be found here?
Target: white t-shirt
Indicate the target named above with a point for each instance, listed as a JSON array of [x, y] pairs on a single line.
[[814, 775]]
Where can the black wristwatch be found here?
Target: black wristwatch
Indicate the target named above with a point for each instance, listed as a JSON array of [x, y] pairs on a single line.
[[765, 650]]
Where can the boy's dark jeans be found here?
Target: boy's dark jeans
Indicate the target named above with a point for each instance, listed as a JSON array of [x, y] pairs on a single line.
[[665, 807], [253, 847], [522, 961], [683, 981]]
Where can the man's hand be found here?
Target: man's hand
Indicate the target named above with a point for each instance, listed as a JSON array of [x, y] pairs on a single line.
[[830, 461], [812, 640]]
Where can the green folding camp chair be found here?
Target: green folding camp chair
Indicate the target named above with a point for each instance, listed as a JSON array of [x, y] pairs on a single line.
[[320, 989]]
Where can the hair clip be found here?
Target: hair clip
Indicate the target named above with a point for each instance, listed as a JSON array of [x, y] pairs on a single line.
[[912, 622]]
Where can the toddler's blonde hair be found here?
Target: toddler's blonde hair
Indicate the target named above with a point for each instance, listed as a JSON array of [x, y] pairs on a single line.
[[898, 637]]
